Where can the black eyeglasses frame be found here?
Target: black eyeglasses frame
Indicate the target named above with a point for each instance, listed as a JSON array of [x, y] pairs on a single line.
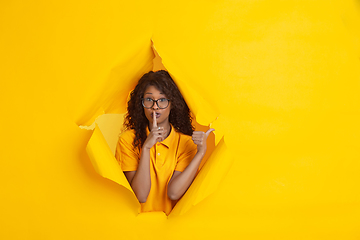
[[154, 101]]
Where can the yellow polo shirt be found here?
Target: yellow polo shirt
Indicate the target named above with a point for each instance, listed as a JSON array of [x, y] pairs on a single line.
[[173, 154]]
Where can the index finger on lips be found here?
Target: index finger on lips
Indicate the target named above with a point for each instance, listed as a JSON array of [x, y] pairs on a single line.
[[154, 120]]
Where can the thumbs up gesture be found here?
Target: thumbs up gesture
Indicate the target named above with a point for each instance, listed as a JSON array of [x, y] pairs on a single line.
[[199, 138]]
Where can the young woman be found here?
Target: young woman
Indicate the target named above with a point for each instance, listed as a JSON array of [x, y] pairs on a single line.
[[159, 152]]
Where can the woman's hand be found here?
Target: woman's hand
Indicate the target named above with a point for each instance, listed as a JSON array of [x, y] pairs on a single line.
[[157, 134], [199, 138]]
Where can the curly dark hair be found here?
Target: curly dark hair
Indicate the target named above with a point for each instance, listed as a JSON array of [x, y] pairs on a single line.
[[135, 118]]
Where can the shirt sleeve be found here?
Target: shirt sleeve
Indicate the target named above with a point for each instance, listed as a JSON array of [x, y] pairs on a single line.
[[187, 153], [125, 154]]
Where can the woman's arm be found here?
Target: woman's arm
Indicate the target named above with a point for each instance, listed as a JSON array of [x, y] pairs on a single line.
[[181, 181], [140, 180]]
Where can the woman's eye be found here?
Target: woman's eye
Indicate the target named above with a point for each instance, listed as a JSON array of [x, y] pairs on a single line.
[[162, 100], [148, 99]]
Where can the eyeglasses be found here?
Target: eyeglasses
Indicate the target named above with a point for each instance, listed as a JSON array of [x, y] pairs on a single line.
[[161, 102]]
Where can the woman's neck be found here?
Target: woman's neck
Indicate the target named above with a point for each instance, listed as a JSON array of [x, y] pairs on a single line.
[[167, 128]]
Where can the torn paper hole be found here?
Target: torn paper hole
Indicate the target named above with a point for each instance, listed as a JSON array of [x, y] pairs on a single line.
[[214, 167]]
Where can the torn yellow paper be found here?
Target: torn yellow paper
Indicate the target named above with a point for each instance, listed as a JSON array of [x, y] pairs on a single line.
[[108, 127], [101, 150], [104, 161], [208, 179], [109, 93], [200, 105]]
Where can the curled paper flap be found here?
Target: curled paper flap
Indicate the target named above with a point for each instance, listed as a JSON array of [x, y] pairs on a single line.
[[208, 179], [104, 161]]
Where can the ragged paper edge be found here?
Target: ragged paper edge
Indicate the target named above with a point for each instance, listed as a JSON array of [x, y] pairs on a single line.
[[92, 126], [125, 70], [204, 112]]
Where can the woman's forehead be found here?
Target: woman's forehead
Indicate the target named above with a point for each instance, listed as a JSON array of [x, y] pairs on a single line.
[[152, 90]]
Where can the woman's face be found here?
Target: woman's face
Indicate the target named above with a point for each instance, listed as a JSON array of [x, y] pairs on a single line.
[[162, 115]]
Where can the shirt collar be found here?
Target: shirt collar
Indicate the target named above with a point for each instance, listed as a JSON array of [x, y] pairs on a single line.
[[167, 142]]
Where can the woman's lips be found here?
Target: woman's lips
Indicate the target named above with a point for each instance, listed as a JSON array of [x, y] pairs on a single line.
[[157, 114]]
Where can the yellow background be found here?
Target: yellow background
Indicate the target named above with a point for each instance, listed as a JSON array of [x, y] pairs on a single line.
[[281, 78]]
